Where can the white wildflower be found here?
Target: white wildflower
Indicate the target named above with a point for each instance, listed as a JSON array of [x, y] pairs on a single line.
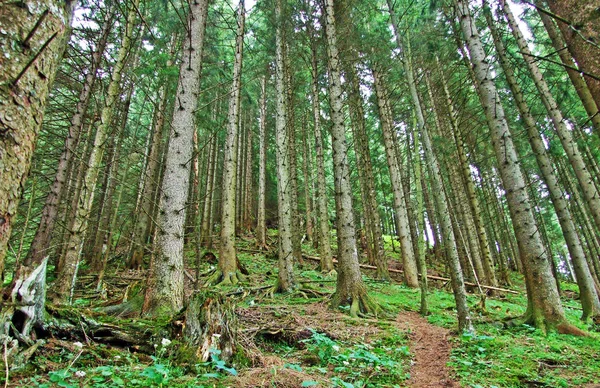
[[216, 335], [336, 348], [345, 363], [80, 373], [165, 342], [78, 344], [117, 357]]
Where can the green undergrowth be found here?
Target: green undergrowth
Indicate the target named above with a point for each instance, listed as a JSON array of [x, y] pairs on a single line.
[[345, 352]]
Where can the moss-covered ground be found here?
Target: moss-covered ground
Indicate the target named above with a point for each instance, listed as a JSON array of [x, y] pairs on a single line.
[[296, 341]]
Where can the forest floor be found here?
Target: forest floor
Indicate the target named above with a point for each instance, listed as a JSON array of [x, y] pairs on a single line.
[[297, 341]]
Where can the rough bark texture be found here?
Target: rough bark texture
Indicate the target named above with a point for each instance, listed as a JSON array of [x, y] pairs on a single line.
[[578, 20], [164, 293], [400, 213], [285, 281], [322, 212], [228, 263], [575, 76], [564, 134], [365, 175], [588, 295], [32, 43], [261, 225], [544, 306], [350, 288], [467, 179]]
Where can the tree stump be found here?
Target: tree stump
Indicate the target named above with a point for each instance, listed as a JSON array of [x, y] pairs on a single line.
[[210, 324], [23, 310]]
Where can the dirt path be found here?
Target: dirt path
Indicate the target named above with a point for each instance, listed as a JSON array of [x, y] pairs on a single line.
[[431, 350]]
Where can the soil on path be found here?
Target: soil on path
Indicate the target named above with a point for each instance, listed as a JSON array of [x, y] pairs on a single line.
[[431, 350]]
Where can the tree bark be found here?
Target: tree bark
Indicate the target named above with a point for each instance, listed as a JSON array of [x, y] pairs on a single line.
[[261, 225], [588, 295], [33, 40], [164, 293], [578, 22], [323, 213], [350, 288], [564, 134], [400, 213], [544, 308], [42, 239], [64, 285], [285, 279], [228, 262]]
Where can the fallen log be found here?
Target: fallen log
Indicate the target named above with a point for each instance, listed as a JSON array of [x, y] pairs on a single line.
[[432, 277]]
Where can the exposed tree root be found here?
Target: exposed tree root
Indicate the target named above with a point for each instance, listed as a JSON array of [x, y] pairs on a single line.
[[361, 305], [218, 278]]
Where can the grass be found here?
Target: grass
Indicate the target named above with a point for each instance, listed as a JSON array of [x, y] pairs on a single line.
[[341, 351]]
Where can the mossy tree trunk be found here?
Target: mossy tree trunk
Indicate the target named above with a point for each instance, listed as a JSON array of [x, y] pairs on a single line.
[[32, 43]]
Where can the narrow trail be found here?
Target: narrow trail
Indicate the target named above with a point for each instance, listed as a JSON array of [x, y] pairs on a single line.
[[431, 350]]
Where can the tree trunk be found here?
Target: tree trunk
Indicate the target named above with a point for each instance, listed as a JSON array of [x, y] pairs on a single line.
[[228, 262], [307, 181], [401, 216], [365, 175], [261, 225], [248, 181], [64, 285], [544, 308], [164, 294], [33, 40], [141, 230], [453, 262], [564, 134], [323, 213], [41, 241], [589, 298], [285, 279], [578, 21], [571, 68], [350, 288], [206, 228]]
